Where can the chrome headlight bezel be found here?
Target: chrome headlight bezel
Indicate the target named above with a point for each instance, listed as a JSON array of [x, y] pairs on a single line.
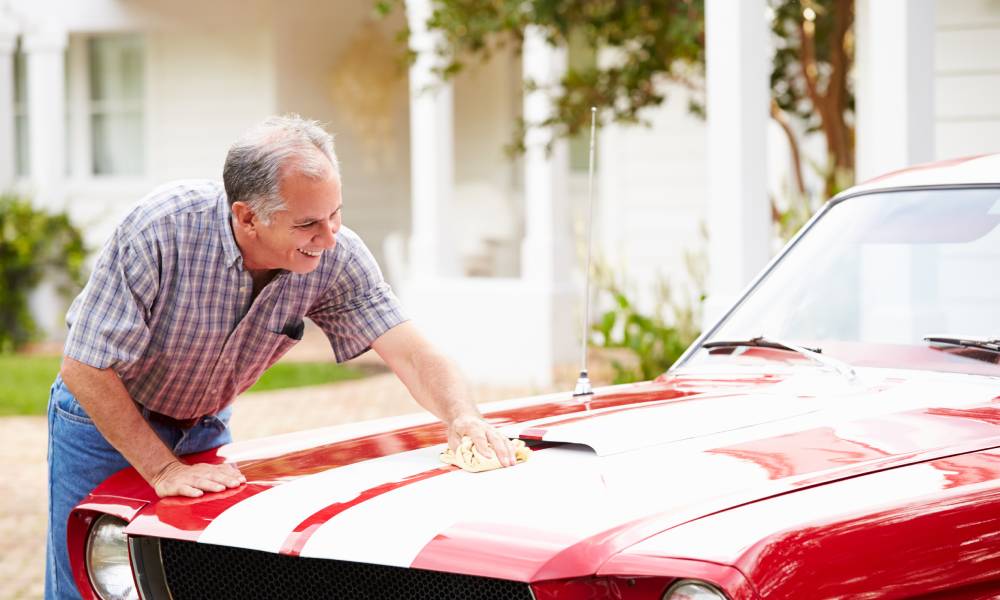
[[106, 558], [705, 590]]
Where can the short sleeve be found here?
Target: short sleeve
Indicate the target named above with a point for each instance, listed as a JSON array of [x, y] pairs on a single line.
[[108, 322], [358, 307]]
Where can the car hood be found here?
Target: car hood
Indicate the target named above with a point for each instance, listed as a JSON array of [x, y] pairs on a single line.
[[634, 461]]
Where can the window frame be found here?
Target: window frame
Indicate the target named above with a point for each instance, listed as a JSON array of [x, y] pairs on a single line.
[[22, 117], [82, 109]]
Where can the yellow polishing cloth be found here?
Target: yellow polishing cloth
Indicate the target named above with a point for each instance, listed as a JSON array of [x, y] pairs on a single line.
[[469, 458]]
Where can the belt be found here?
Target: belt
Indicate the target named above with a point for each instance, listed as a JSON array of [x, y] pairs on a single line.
[[155, 417]]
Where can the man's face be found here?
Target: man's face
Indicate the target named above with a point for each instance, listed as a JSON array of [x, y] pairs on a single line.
[[297, 236]]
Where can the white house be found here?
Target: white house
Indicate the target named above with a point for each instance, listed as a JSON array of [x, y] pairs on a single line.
[[101, 100]]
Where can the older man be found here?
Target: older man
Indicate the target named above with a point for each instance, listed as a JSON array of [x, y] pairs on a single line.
[[198, 291]]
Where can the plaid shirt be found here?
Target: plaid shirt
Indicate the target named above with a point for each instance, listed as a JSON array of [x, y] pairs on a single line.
[[169, 305]]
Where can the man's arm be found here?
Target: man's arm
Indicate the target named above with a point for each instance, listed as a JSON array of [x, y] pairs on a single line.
[[104, 397], [437, 385]]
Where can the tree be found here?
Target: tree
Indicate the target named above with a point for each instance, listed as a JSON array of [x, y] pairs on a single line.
[[662, 40], [652, 40], [813, 55]]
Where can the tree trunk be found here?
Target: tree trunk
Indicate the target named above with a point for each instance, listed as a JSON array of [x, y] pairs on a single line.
[[831, 103]]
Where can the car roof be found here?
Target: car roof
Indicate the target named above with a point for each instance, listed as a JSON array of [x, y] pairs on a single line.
[[980, 169]]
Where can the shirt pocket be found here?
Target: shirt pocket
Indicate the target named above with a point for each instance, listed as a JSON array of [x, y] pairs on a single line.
[[270, 346], [288, 336]]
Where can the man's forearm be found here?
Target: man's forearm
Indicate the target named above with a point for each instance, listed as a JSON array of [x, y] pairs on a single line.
[[438, 386], [104, 397], [441, 390]]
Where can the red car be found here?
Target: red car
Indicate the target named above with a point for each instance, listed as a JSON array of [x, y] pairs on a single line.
[[835, 435]]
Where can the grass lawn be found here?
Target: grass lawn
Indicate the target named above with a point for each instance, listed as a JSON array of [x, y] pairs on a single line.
[[299, 374], [25, 380]]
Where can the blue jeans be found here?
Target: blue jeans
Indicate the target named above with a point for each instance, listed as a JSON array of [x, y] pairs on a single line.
[[80, 458]]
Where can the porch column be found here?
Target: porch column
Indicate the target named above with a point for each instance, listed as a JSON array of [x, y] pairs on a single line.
[[895, 84], [8, 42], [432, 152], [739, 222], [46, 72], [546, 254]]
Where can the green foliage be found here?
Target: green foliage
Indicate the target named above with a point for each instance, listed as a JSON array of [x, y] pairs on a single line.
[[798, 207], [33, 244], [654, 340], [650, 40], [654, 41], [790, 218]]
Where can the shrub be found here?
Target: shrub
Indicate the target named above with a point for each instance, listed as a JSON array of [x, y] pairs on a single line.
[[33, 244], [656, 339]]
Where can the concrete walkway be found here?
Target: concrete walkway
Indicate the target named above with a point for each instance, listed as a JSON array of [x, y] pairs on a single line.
[[23, 447]]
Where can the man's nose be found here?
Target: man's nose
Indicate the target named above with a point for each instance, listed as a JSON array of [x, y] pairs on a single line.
[[327, 237]]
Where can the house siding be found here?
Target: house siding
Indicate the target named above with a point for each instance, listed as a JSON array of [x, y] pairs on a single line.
[[967, 78]]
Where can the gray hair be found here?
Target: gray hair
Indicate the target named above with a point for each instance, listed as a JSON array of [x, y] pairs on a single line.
[[258, 160]]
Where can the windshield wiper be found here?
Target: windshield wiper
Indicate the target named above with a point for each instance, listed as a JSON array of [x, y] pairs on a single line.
[[966, 342], [812, 354]]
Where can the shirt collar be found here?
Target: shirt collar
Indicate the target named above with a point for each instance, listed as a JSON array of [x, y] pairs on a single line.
[[225, 220]]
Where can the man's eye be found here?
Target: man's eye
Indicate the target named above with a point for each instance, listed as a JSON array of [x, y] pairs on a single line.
[[305, 225]]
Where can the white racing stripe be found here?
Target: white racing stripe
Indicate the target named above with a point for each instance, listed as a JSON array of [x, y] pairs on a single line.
[[563, 493], [264, 521], [635, 428], [713, 422], [393, 528]]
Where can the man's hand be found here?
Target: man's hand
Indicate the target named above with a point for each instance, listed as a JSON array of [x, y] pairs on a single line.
[[437, 385], [103, 395], [485, 437], [179, 479]]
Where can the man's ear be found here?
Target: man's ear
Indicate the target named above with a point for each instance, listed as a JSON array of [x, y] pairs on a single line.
[[244, 217]]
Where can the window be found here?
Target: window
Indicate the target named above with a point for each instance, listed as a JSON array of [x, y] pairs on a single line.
[[884, 270], [116, 66], [22, 166]]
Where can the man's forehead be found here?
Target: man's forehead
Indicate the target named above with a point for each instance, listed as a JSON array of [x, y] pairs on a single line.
[[311, 195]]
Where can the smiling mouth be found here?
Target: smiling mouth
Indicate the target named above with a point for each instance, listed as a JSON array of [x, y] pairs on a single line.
[[315, 254]]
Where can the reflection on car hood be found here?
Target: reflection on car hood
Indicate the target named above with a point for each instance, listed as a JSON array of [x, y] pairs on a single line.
[[635, 461]]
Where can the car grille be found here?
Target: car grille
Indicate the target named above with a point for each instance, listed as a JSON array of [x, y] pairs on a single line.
[[197, 571]]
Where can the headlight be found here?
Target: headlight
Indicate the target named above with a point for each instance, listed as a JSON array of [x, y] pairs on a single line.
[[690, 589], [107, 560]]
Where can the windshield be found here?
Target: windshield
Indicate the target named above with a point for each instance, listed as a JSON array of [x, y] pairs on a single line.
[[874, 276]]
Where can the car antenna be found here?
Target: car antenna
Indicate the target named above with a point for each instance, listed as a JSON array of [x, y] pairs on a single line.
[[583, 387]]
